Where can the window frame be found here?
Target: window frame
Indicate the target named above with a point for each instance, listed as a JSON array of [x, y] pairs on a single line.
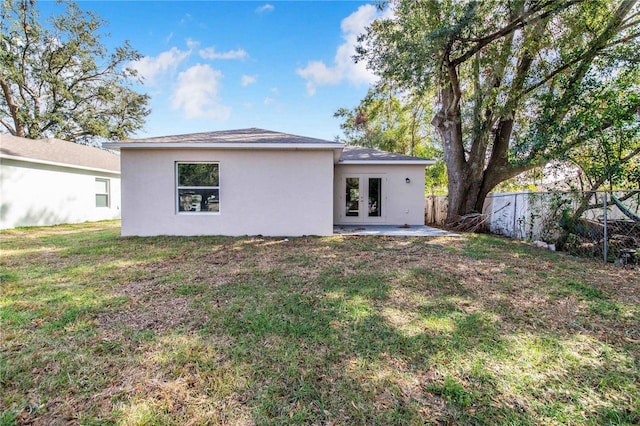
[[179, 187], [107, 194]]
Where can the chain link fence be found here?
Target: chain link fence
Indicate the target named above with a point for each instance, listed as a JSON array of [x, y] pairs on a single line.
[[597, 224]]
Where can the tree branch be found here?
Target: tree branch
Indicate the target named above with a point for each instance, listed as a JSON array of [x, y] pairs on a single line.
[[630, 156], [8, 127], [499, 158], [518, 23], [454, 83], [596, 46], [624, 40], [626, 22], [18, 129]]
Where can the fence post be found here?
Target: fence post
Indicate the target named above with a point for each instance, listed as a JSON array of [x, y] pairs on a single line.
[[515, 212], [606, 237]]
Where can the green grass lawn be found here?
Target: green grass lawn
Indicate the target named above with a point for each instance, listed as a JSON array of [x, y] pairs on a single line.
[[99, 329]]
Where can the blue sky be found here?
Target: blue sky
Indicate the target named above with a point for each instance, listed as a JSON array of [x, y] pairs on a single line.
[[215, 65]]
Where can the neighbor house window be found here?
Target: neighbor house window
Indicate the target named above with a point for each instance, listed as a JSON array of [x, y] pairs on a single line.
[[198, 187], [102, 192]]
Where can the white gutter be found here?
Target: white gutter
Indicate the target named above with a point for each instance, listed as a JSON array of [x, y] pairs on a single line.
[[53, 163]]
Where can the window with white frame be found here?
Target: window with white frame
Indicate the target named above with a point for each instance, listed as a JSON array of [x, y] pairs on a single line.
[[102, 192], [198, 187]]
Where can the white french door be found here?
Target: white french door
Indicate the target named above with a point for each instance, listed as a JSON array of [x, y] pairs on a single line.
[[363, 199]]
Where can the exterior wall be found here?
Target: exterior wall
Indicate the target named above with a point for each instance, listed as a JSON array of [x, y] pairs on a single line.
[[267, 192], [33, 194], [404, 201]]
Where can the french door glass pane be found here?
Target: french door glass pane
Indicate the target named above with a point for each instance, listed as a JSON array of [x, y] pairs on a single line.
[[353, 197], [375, 197]]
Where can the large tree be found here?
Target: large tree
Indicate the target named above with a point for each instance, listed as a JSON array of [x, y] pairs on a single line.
[[60, 81], [508, 76]]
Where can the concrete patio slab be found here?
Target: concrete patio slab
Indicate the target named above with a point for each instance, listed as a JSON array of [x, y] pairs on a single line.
[[392, 231]]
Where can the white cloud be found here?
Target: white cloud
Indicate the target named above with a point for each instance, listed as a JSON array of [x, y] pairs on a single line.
[[192, 44], [210, 53], [247, 80], [266, 8], [197, 94], [150, 67], [269, 101], [317, 73]]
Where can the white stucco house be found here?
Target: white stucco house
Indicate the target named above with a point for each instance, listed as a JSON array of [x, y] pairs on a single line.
[[50, 181], [259, 182]]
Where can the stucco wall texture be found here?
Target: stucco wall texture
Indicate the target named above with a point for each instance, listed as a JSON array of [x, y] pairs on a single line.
[[262, 192], [403, 203]]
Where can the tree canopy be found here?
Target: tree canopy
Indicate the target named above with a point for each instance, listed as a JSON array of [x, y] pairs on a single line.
[[390, 120], [395, 121], [60, 81], [514, 79], [608, 152]]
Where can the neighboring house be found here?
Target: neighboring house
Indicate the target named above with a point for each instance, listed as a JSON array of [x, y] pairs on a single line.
[[50, 181], [259, 182]]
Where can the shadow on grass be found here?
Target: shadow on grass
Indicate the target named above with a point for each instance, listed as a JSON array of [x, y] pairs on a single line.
[[170, 330], [333, 356]]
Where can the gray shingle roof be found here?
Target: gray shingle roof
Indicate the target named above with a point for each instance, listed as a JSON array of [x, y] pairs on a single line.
[[362, 154], [241, 136], [59, 151], [257, 138]]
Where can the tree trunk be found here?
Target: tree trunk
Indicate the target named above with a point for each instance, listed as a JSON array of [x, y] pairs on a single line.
[[469, 181], [447, 122], [472, 179], [471, 186], [18, 127]]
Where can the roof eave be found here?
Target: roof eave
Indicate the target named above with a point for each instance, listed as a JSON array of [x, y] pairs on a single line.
[[200, 145], [390, 162], [57, 164]]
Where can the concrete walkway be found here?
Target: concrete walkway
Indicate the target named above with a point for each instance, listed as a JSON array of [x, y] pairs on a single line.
[[392, 231]]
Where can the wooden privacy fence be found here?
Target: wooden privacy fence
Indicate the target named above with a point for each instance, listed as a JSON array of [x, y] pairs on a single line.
[[435, 209]]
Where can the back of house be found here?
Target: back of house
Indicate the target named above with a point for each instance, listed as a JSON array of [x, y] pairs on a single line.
[[260, 182]]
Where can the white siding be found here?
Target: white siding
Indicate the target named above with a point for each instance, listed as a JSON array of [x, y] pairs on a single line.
[[403, 202], [267, 192], [33, 194]]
